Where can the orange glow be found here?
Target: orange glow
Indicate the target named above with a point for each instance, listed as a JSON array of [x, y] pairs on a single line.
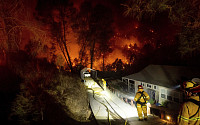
[[127, 41], [151, 30], [117, 53], [136, 25], [55, 15], [74, 48]]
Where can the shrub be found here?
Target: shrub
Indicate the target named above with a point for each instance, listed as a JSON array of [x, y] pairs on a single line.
[[72, 95], [24, 109]]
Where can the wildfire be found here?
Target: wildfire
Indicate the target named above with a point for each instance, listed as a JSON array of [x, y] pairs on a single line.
[[151, 30]]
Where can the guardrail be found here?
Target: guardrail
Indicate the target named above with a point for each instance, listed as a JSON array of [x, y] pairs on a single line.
[[127, 99]]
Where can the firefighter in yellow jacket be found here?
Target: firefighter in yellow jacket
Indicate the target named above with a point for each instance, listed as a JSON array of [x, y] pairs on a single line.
[[141, 99], [104, 84], [190, 112]]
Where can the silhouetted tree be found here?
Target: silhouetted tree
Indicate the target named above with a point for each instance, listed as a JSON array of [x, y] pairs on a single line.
[[81, 28], [94, 29], [56, 13], [15, 20], [118, 65], [183, 13], [131, 52], [100, 29]]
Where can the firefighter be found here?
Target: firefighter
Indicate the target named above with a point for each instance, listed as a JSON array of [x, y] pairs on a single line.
[[104, 84], [141, 99], [189, 113]]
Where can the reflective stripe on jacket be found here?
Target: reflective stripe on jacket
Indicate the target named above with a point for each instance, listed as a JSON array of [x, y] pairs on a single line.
[[189, 109]]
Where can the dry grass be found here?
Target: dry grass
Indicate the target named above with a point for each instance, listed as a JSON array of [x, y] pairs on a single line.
[[71, 94]]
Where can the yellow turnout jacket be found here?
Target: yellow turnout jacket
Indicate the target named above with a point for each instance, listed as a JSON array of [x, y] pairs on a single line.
[[189, 113], [139, 97]]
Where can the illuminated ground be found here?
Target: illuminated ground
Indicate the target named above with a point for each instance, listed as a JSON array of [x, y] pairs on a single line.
[[109, 109]]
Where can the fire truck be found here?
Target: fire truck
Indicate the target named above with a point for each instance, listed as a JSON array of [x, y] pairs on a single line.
[[88, 73]]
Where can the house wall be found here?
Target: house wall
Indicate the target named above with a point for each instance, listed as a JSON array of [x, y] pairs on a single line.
[[170, 95], [126, 81], [162, 94]]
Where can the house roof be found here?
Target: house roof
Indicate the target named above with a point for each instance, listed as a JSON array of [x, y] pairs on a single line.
[[164, 75]]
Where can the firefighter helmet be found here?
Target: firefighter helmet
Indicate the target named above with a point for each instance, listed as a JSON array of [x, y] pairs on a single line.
[[140, 87], [191, 86]]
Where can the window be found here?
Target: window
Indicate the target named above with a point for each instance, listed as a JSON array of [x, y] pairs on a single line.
[[125, 80], [132, 81], [155, 87], [142, 84], [169, 97], [163, 93], [163, 96], [148, 86], [132, 86], [176, 99]]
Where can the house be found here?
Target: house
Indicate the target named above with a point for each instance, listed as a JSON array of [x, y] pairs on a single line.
[[161, 82]]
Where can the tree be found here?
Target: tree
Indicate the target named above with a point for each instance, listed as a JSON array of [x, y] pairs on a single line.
[[81, 28], [17, 22], [94, 29], [118, 65], [184, 13], [130, 52], [25, 108], [56, 14], [100, 26], [104, 43]]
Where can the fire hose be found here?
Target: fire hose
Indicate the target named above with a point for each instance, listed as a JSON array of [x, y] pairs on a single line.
[[107, 107]]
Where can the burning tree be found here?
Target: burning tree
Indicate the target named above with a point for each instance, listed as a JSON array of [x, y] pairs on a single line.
[[101, 30], [16, 24], [94, 29], [81, 28], [131, 52], [56, 15], [183, 13]]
